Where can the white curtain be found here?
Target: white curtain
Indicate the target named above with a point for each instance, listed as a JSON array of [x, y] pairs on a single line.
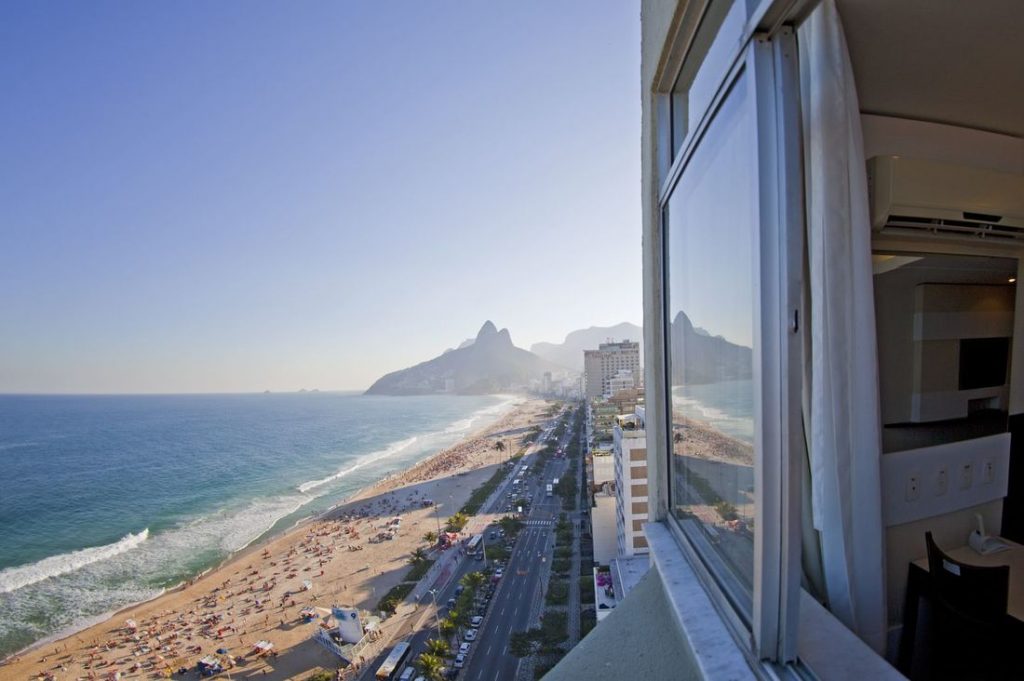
[[845, 440]]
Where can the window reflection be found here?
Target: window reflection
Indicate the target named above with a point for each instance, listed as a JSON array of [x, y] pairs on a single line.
[[711, 222]]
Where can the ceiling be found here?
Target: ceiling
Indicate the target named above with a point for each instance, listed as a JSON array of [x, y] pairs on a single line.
[[959, 62]]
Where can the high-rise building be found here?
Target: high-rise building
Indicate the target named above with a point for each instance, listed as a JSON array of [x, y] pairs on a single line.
[[604, 364], [630, 452]]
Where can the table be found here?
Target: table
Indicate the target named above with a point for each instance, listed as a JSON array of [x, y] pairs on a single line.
[[918, 587]]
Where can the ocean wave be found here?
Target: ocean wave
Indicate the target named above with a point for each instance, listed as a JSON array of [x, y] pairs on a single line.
[[366, 460], [77, 598], [14, 578]]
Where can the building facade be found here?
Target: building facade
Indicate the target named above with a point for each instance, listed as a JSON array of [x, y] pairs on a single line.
[[631, 484], [604, 364]]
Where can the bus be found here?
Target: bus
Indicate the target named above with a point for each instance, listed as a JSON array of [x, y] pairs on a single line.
[[473, 543], [386, 670]]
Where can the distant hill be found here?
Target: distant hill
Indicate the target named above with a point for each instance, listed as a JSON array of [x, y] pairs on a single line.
[[490, 363], [569, 353], [707, 358]]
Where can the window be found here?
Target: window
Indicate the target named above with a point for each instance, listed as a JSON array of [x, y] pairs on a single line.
[[731, 228], [711, 270]]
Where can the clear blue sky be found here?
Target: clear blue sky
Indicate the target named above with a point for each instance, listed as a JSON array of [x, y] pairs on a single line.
[[236, 196]]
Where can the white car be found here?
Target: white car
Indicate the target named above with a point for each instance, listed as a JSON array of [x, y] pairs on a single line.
[[460, 660], [476, 620], [463, 648], [470, 635], [499, 572]]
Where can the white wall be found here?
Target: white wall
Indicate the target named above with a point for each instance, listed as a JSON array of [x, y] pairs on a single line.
[[603, 525]]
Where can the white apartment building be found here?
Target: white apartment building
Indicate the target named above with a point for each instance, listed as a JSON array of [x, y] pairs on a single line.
[[604, 364], [631, 494], [624, 380]]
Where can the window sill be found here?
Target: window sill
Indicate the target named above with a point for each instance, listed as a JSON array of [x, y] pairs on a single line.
[[832, 651], [715, 651]]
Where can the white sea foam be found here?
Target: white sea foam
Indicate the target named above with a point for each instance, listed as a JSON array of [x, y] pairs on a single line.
[[372, 457], [14, 578]]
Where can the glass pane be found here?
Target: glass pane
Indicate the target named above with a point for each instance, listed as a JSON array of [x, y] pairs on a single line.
[[711, 272]]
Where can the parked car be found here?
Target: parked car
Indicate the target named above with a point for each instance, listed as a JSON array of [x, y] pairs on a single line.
[[464, 648], [476, 621], [499, 572], [470, 635], [460, 661]]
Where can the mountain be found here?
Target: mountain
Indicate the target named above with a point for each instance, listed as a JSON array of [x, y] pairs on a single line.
[[707, 358], [569, 353], [490, 363]]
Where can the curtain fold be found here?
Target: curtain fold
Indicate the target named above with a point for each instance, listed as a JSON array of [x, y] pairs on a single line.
[[845, 438]]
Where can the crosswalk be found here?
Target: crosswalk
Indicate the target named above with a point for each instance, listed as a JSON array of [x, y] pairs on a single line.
[[537, 523]]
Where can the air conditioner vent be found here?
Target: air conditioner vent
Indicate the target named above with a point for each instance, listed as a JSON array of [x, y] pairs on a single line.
[[912, 197], [907, 224]]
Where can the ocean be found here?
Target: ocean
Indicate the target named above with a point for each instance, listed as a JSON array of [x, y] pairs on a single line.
[[727, 406], [106, 501]]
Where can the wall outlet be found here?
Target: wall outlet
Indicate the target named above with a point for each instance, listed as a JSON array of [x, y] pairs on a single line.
[[988, 471], [913, 487], [966, 475], [941, 481]]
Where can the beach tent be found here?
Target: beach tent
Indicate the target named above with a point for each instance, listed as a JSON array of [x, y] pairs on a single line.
[[262, 647]]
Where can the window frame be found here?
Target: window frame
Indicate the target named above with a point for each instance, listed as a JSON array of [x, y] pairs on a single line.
[[768, 631]]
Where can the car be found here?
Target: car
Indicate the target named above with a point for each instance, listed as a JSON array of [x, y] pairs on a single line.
[[460, 661], [451, 602], [459, 589], [470, 635], [499, 572], [463, 648], [476, 621]]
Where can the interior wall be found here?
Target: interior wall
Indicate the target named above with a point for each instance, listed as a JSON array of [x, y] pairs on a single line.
[[885, 136], [896, 312]]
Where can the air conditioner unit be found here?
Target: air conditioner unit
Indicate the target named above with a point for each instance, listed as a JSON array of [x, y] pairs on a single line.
[[911, 197]]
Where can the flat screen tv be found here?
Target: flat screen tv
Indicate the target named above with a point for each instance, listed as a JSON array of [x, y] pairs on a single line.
[[983, 362]]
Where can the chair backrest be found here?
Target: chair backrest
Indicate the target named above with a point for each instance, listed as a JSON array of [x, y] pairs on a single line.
[[975, 591]]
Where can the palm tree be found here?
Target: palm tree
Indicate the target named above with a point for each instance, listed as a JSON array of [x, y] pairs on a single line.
[[457, 522], [417, 556], [447, 626], [430, 538], [499, 445], [458, 617], [473, 581], [438, 647], [431, 666]]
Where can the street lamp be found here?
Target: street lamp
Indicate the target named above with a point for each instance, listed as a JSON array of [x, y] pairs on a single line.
[[437, 612]]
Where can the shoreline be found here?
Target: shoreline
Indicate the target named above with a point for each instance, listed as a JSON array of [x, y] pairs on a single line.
[[463, 456]]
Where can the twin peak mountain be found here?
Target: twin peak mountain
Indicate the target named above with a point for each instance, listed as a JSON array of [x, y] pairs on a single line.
[[489, 363]]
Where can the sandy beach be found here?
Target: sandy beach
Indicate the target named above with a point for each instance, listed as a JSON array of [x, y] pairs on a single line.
[[258, 594]]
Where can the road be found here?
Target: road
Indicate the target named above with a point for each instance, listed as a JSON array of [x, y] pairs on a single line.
[[517, 597], [516, 594]]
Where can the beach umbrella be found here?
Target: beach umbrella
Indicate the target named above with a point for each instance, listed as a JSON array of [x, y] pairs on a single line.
[[222, 651]]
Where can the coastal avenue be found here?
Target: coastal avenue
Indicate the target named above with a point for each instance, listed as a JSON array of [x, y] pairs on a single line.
[[517, 601], [517, 598]]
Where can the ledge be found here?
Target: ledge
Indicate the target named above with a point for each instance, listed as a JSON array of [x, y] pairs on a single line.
[[713, 648]]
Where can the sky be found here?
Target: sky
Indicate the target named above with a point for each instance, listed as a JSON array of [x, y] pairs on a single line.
[[240, 196]]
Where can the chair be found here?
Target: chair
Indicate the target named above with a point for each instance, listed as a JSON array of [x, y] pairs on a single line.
[[962, 625], [977, 592]]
